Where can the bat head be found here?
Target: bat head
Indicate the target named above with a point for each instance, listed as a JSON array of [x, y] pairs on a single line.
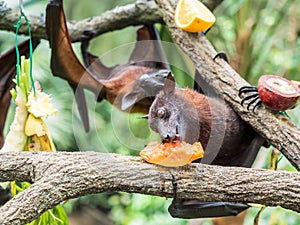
[[173, 114], [146, 86]]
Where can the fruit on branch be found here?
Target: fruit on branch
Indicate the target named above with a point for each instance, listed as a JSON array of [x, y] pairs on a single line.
[[193, 16], [172, 154], [278, 93], [275, 92]]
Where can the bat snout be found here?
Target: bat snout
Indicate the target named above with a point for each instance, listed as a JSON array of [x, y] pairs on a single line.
[[170, 136], [166, 138]]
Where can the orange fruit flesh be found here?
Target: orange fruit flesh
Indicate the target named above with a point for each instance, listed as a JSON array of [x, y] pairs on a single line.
[[193, 16], [172, 154]]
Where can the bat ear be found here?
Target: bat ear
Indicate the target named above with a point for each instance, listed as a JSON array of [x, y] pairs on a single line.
[[129, 99], [169, 84]]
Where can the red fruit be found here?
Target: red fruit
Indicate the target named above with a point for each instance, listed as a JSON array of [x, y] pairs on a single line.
[[278, 93]]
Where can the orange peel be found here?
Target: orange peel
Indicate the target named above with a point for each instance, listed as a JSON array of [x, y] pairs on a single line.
[[193, 16], [172, 154]]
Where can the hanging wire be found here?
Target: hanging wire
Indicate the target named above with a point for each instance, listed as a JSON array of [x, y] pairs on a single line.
[[21, 6], [17, 26]]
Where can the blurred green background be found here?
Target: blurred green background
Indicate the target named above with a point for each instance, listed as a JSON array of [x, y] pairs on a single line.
[[259, 36]]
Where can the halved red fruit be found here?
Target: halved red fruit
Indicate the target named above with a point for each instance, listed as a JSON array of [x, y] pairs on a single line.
[[278, 93]]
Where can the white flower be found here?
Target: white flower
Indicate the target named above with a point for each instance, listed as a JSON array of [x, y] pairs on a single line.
[[39, 104]]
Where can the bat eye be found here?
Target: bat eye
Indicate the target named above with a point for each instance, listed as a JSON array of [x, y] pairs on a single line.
[[161, 113]]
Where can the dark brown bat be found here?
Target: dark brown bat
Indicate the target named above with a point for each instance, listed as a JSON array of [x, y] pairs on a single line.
[[7, 73], [190, 116], [186, 115], [130, 87]]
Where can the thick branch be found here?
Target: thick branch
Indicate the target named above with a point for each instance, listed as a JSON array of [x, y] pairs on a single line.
[[276, 129], [61, 176]]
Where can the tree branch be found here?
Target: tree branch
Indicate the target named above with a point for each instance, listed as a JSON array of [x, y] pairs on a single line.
[[276, 129], [139, 13], [61, 176]]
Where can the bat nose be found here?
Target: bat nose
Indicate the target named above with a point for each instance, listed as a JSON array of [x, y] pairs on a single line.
[[166, 138]]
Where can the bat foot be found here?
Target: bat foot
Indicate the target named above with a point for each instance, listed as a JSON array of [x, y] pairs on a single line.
[[87, 34], [221, 55], [253, 97], [85, 37], [175, 186]]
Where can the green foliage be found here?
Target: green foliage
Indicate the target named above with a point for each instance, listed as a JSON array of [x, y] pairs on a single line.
[[136, 209], [260, 37], [54, 216], [273, 216]]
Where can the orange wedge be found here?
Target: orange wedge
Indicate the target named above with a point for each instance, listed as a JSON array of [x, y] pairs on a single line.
[[170, 154], [193, 16]]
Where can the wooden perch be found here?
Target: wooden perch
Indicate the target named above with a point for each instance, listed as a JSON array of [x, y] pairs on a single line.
[[60, 176], [276, 129]]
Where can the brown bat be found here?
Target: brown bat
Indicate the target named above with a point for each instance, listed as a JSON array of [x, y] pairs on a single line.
[[7, 73], [186, 115], [130, 87]]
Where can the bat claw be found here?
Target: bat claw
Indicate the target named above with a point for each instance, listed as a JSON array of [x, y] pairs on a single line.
[[175, 186], [247, 89], [221, 55], [87, 34], [254, 97]]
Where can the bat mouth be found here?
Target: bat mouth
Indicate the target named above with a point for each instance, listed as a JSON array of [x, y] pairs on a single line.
[[174, 139]]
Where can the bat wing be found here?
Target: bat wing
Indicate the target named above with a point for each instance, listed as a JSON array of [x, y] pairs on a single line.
[[205, 209], [147, 52], [148, 49], [93, 63], [64, 62], [7, 73]]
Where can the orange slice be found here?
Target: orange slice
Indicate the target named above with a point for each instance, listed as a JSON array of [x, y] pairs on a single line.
[[193, 16], [172, 154]]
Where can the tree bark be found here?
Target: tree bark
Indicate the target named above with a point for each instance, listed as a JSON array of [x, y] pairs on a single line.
[[60, 176], [276, 129]]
